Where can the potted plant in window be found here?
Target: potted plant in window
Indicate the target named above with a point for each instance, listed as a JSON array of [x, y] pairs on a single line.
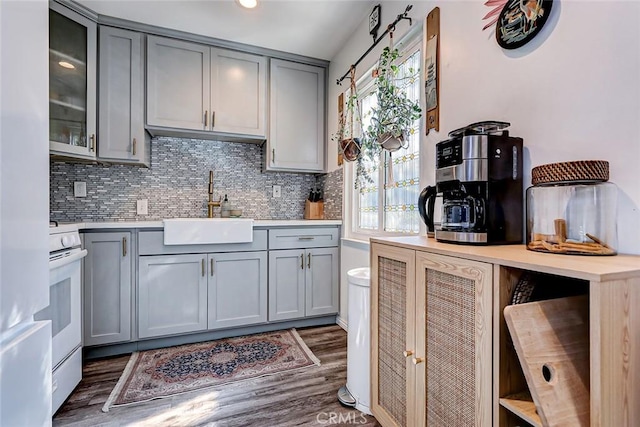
[[392, 118]]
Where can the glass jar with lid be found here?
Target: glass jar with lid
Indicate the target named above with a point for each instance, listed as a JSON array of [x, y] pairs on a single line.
[[572, 209]]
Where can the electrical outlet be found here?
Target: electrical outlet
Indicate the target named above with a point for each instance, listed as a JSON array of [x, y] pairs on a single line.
[[142, 207], [80, 189], [277, 191]]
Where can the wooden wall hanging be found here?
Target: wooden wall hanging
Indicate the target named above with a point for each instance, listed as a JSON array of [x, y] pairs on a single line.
[[432, 70]]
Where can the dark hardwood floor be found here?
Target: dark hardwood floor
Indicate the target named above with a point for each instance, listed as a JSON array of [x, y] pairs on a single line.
[[303, 398]]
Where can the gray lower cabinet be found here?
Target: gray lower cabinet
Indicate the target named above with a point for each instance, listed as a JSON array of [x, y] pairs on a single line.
[[237, 291], [107, 288], [191, 293], [172, 294], [286, 284], [303, 282], [321, 281]]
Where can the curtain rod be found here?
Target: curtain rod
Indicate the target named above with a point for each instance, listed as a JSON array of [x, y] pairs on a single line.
[[389, 29]]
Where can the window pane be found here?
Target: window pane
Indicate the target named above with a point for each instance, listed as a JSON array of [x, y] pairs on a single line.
[[401, 190], [368, 194]]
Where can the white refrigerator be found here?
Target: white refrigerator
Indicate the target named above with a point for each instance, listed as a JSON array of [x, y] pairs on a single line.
[[25, 345]]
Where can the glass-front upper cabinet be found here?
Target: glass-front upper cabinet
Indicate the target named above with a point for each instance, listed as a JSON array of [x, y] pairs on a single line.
[[72, 83]]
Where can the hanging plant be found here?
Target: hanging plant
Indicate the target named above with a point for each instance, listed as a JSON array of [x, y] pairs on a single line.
[[348, 144], [393, 117]]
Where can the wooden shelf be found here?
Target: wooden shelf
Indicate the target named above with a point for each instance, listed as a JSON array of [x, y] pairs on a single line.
[[522, 405]]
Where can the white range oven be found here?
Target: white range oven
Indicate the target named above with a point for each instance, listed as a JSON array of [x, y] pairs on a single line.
[[64, 310]]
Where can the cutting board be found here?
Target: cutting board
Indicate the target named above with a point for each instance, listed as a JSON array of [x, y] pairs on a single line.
[[551, 339]]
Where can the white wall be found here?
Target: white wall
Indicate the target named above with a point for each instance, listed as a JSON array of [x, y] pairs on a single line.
[[24, 160], [572, 93]]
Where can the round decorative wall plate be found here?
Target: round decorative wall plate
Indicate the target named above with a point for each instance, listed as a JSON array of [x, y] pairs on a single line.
[[520, 21]]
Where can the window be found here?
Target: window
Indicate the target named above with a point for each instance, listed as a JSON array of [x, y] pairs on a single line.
[[389, 204]]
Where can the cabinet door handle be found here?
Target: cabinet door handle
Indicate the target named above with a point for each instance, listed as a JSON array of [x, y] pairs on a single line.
[[301, 261], [92, 145], [309, 260], [273, 155], [203, 267], [212, 266], [133, 147], [206, 118], [417, 360], [213, 119], [407, 353], [124, 246]]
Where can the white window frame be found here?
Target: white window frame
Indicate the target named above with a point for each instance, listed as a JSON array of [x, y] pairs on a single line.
[[411, 43]]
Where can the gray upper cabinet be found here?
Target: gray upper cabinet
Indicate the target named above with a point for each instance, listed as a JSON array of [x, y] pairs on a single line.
[[72, 84], [121, 95], [296, 139], [172, 295], [107, 288], [214, 92], [238, 93], [177, 84], [237, 293]]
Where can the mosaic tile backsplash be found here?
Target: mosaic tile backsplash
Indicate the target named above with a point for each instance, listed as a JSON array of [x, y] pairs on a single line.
[[176, 185], [332, 185]]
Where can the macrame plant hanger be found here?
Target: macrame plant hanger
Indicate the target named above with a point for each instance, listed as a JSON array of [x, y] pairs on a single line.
[[353, 98], [351, 145], [390, 181]]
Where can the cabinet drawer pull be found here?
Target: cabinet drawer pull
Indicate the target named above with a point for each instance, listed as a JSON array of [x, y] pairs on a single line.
[[306, 237], [212, 266], [309, 260], [213, 119], [206, 118], [417, 360], [407, 353], [92, 138], [133, 147], [203, 267], [124, 246], [301, 261]]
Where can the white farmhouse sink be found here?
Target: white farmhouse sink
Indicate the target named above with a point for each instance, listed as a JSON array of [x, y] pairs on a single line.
[[200, 231]]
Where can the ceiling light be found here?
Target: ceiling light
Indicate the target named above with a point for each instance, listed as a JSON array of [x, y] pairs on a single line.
[[66, 64], [249, 4]]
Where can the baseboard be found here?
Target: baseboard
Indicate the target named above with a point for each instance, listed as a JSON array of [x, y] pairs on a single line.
[[341, 322], [148, 344]]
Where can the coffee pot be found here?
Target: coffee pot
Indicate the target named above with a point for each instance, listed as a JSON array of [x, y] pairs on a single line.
[[426, 205], [479, 175], [460, 211]]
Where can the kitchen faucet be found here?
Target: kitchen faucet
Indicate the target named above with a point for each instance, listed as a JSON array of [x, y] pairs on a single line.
[[211, 204]]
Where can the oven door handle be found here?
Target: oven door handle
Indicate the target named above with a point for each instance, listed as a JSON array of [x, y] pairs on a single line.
[[67, 260]]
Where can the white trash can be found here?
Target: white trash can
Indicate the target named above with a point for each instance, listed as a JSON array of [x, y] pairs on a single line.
[[358, 339]]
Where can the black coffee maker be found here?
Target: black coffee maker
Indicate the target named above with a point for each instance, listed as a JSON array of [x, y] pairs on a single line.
[[479, 174]]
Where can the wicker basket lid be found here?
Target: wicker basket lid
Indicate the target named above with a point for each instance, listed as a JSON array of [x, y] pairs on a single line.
[[577, 171]]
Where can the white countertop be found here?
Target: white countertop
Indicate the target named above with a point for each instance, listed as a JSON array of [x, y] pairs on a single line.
[[159, 224]]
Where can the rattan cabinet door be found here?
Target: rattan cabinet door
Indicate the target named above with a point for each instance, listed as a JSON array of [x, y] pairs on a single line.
[[454, 382], [392, 335]]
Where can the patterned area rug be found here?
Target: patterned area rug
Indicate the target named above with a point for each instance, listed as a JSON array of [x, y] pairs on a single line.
[[165, 372]]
